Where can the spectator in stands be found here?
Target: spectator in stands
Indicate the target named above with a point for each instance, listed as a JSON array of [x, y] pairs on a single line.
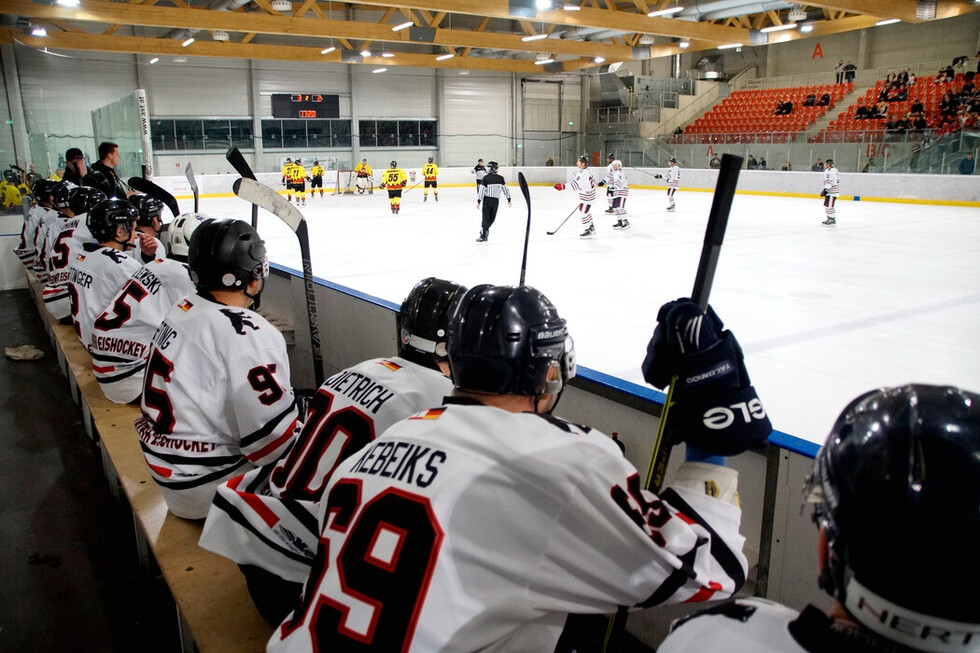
[[850, 70], [818, 166], [839, 71], [903, 77], [762, 163], [947, 106], [862, 112], [752, 164], [881, 110], [785, 107], [787, 167], [824, 100], [966, 164], [715, 162], [948, 74], [869, 165], [811, 100], [959, 62], [912, 79], [917, 107]]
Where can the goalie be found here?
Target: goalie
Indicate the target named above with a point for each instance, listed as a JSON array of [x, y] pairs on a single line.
[[364, 182]]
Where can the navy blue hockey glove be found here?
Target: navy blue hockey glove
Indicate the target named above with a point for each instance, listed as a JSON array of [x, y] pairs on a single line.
[[601, 183], [715, 409], [823, 193]]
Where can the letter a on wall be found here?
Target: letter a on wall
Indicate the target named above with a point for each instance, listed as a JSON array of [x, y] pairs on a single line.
[[817, 52]]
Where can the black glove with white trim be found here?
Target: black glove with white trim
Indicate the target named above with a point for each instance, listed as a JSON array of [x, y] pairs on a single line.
[[715, 409]]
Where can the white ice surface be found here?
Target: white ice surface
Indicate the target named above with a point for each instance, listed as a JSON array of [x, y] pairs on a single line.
[[889, 295]]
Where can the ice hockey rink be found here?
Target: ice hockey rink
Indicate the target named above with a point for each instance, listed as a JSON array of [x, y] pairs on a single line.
[[887, 296]]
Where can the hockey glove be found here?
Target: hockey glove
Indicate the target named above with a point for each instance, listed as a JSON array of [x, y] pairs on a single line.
[[658, 176], [823, 193], [559, 186], [601, 183], [715, 409]]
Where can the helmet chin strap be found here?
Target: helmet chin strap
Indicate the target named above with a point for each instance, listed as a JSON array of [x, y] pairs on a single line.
[[257, 297]]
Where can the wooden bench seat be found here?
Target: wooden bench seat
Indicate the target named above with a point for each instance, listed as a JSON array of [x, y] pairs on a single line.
[[215, 609]]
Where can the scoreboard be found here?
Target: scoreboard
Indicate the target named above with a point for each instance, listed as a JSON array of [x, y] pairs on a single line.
[[305, 105]]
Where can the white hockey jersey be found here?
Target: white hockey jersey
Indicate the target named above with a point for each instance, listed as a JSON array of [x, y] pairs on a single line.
[[268, 516], [122, 332], [40, 265], [673, 177], [619, 184], [217, 401], [749, 625], [27, 248], [609, 176], [95, 275], [831, 181], [64, 239], [584, 183], [470, 528]]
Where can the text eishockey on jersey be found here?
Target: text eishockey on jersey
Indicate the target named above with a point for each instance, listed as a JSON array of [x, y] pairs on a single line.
[[268, 516], [121, 335], [217, 400], [584, 183], [95, 275], [470, 528]]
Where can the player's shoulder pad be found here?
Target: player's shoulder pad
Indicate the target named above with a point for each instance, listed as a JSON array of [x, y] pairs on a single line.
[[564, 425]]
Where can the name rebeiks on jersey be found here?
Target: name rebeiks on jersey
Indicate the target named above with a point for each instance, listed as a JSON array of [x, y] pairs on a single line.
[[398, 461]]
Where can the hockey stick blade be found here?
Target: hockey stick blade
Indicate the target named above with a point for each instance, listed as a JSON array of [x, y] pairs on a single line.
[[189, 173], [238, 162], [527, 232], [264, 197], [149, 188], [555, 230], [261, 195], [714, 234]]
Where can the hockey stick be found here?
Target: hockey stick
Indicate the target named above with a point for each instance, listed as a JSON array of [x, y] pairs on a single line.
[[654, 175], [714, 234], [527, 232], [555, 230], [189, 173], [238, 162], [261, 195], [151, 189]]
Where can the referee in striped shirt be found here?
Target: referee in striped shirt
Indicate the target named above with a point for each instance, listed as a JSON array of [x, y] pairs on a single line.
[[493, 184]]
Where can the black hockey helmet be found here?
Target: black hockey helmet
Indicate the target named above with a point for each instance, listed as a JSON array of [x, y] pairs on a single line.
[[41, 189], [288, 160], [149, 207], [610, 156], [12, 176], [430, 159], [828, 162], [507, 340], [492, 165], [61, 193], [104, 217], [673, 160], [83, 199], [896, 489], [423, 321], [394, 164], [226, 255], [584, 159]]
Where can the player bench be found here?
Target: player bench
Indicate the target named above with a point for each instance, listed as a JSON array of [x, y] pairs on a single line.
[[214, 609]]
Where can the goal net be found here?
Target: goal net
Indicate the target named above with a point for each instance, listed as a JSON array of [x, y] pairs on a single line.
[[346, 182]]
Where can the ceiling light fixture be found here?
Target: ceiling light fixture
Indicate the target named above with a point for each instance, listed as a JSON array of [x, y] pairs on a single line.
[[729, 46], [543, 5], [684, 44], [598, 59], [778, 28], [327, 50], [154, 60], [220, 35], [187, 42], [68, 3], [664, 12], [37, 30], [365, 53], [535, 37], [398, 28], [180, 59], [387, 55], [379, 70], [443, 57], [888, 21], [806, 28], [571, 7], [543, 61], [282, 5]]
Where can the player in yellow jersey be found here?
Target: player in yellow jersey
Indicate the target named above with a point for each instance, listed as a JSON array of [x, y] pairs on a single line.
[[365, 180], [285, 178], [393, 179], [316, 178], [297, 179], [429, 172]]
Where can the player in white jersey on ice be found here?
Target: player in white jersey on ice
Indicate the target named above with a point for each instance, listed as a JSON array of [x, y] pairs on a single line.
[[619, 186], [64, 239], [831, 191], [479, 524], [607, 181], [896, 496], [584, 183], [122, 332], [96, 271], [266, 520], [673, 179], [217, 399]]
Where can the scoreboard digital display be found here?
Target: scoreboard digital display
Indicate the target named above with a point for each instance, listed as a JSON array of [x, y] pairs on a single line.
[[305, 105]]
